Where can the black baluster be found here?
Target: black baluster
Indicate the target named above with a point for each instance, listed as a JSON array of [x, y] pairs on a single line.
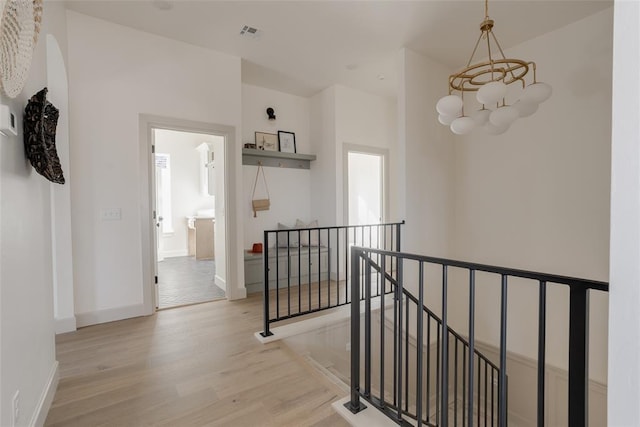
[[578, 355], [502, 381], [420, 344], [472, 340], [265, 288], [354, 404], [542, 331], [445, 352]]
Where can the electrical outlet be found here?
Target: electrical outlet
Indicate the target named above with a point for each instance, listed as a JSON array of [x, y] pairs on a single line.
[[111, 214], [15, 405]]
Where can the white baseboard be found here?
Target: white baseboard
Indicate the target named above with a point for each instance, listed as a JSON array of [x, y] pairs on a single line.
[[46, 398], [220, 282], [334, 276], [65, 324], [175, 253], [236, 293], [111, 315]]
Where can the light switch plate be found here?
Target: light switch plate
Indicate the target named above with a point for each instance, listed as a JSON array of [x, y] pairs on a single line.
[[8, 121]]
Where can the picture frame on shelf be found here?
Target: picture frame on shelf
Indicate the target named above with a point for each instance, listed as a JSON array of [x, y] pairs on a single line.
[[266, 141], [287, 141]]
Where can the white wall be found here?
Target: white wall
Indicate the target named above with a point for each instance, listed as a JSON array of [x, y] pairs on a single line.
[[58, 86], [288, 188], [366, 120], [429, 173], [341, 115], [186, 194], [116, 74], [292, 115], [27, 347], [537, 197], [624, 300], [323, 169], [289, 191]]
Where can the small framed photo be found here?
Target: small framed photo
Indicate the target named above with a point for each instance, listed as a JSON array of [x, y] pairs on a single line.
[[287, 141], [266, 141]]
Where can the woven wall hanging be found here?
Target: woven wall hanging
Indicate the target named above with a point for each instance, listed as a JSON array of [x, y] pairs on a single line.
[[40, 122], [19, 28]]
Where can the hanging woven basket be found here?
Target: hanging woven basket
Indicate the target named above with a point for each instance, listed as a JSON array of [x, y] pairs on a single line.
[[19, 29]]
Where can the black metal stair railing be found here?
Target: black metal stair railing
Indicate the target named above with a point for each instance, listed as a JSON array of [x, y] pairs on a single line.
[[307, 270], [464, 387]]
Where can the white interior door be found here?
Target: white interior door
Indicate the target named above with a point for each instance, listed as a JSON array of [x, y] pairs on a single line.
[[158, 210]]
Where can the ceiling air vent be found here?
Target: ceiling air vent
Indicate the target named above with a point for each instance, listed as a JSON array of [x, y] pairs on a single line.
[[248, 31]]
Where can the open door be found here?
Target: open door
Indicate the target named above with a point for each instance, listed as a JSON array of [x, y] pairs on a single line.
[[160, 164], [189, 217]]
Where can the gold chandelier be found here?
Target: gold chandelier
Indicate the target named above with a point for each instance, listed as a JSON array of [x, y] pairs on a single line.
[[490, 80]]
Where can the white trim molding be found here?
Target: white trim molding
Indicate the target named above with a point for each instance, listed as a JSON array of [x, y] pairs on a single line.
[[233, 226], [174, 253], [111, 315], [46, 398], [65, 324], [219, 281]]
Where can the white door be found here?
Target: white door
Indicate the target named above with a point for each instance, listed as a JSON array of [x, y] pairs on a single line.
[[158, 208]]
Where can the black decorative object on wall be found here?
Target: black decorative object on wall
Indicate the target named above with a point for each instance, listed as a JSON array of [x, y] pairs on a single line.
[[40, 121], [271, 114]]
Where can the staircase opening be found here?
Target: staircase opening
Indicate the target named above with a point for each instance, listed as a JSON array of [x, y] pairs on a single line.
[[408, 362]]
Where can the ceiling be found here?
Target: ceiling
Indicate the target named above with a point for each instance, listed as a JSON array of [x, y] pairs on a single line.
[[305, 46]]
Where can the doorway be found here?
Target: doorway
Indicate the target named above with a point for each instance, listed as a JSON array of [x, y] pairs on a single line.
[[365, 184], [189, 236], [228, 228], [365, 187]]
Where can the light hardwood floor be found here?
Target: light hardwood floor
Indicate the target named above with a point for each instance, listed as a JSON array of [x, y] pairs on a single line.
[[191, 366]]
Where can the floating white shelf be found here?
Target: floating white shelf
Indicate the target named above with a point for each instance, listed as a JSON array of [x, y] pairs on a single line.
[[276, 159]]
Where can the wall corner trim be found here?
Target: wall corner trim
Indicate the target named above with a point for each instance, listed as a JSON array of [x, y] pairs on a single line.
[[236, 293], [219, 281], [65, 324], [46, 398]]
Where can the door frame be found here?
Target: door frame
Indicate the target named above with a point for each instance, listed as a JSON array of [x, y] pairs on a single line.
[[364, 149], [232, 225]]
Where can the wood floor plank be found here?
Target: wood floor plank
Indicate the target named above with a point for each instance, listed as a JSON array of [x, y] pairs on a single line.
[[191, 366]]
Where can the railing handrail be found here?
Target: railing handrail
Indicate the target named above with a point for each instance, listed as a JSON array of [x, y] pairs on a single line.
[[430, 313], [334, 227], [578, 316], [283, 250], [525, 274]]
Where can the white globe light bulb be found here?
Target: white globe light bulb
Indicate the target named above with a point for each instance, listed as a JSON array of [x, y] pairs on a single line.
[[462, 125], [525, 108], [491, 93], [450, 105], [445, 120], [504, 116], [492, 129], [481, 116], [537, 92]]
